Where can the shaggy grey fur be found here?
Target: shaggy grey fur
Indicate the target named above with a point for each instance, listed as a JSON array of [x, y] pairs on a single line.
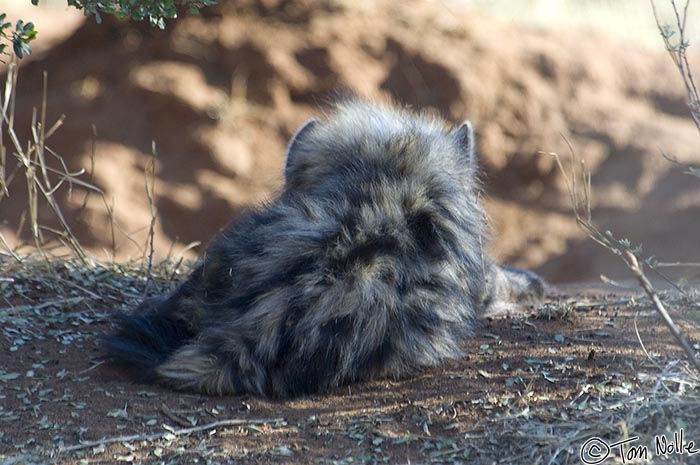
[[369, 264]]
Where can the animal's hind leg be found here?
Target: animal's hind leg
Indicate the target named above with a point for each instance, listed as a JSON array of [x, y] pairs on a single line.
[[512, 288]]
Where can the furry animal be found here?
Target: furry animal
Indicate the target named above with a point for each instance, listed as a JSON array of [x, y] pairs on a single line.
[[369, 264]]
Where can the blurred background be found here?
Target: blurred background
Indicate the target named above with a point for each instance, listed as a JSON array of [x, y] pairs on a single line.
[[220, 93]]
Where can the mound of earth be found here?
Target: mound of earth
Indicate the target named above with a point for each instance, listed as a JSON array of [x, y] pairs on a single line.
[[218, 95]]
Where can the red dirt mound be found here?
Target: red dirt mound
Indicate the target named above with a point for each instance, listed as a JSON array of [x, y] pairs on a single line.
[[221, 93]]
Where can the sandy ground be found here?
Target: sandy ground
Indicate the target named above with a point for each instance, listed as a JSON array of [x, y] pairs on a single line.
[[556, 368], [220, 94]]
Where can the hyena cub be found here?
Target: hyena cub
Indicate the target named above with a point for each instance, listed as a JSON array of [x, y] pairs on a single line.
[[369, 264]]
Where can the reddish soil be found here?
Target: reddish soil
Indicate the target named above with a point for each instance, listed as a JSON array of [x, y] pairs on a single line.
[[53, 395], [221, 93]]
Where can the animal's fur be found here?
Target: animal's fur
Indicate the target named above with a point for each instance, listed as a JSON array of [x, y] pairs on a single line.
[[369, 264]]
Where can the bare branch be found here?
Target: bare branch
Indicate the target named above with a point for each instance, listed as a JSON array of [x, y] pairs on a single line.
[[171, 432], [619, 247]]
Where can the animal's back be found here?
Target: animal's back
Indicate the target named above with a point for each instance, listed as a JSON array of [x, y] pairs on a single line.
[[369, 264]]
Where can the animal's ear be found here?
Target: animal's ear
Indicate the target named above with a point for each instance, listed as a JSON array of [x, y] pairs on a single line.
[[294, 149], [466, 141]]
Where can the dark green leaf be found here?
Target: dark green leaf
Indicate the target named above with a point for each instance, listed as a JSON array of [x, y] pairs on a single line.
[[18, 47]]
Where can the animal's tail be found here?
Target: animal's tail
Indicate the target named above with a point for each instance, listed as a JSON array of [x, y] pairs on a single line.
[[142, 342]]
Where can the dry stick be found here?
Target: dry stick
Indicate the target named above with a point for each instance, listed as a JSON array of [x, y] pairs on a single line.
[[677, 264], [176, 268], [39, 134], [641, 343], [91, 173], [691, 300], [8, 249], [151, 203], [633, 265], [33, 160], [680, 58], [626, 255], [174, 432], [174, 416], [112, 222]]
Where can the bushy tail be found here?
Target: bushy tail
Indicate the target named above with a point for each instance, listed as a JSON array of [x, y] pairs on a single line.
[[142, 342]]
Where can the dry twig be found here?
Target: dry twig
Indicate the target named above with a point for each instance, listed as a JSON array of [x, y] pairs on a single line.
[[170, 432], [636, 269], [150, 193], [678, 54], [581, 204]]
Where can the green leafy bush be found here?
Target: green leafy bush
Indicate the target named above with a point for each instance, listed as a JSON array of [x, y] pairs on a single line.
[[156, 11], [19, 38]]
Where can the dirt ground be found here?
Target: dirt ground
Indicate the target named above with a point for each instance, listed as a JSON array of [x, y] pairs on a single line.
[[547, 368]]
